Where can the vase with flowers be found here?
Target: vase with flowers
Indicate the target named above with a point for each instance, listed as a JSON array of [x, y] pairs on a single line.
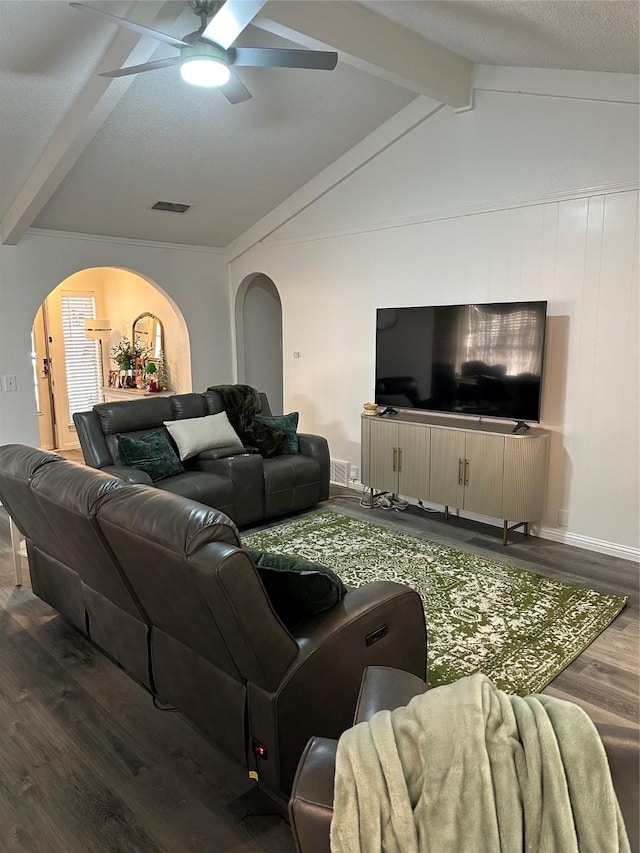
[[130, 357]]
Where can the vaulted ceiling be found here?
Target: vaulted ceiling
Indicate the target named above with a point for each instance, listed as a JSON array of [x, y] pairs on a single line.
[[87, 154]]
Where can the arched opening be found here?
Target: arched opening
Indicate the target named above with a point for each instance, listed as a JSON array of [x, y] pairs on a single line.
[[259, 337], [73, 366]]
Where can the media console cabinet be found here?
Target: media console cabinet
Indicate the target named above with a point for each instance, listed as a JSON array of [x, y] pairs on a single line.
[[476, 466]]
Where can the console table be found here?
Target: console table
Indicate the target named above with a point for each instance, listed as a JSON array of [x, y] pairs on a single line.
[[112, 394], [481, 468]]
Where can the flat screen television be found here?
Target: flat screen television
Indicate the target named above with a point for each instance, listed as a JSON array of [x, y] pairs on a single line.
[[482, 360]]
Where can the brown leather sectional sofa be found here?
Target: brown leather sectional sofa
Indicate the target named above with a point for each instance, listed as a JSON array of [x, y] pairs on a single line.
[[161, 584], [246, 487]]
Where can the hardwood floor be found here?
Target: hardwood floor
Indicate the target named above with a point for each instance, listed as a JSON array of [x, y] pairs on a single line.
[[88, 764]]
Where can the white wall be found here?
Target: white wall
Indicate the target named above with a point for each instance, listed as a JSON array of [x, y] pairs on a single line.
[[196, 280], [526, 197]]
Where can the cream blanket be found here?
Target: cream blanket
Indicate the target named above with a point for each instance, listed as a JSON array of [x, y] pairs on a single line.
[[466, 768]]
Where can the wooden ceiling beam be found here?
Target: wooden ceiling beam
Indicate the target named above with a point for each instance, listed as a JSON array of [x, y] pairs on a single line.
[[83, 120], [374, 44]]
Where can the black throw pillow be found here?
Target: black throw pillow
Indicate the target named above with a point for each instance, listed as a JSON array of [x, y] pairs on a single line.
[[297, 588], [151, 453]]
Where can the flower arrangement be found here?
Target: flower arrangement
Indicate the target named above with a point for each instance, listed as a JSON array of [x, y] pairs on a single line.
[[129, 355]]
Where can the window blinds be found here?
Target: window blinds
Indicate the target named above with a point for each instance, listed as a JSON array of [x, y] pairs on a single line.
[[82, 356]]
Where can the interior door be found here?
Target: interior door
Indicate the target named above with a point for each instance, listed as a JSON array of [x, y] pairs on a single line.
[[43, 381], [76, 364]]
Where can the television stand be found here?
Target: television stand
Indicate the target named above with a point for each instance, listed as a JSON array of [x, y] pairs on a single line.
[[520, 425], [478, 468]]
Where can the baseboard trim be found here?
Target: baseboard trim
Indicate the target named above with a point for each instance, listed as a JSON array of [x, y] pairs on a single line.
[[574, 540], [612, 549]]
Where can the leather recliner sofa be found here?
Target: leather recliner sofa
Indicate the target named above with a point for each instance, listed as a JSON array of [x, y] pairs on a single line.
[[383, 688], [245, 486], [162, 584]]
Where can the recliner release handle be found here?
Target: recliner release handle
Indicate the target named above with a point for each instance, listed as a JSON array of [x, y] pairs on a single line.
[[376, 635]]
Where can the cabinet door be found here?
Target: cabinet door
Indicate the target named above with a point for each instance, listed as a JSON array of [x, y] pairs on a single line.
[[414, 442], [447, 467], [525, 477], [483, 469], [383, 455]]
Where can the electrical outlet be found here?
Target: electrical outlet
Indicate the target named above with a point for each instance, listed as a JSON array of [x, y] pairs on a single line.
[[296, 355], [563, 517], [9, 383]]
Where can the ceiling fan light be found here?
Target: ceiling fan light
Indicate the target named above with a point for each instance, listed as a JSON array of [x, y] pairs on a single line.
[[204, 71]]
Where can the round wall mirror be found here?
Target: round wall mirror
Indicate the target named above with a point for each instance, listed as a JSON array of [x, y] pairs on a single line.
[[147, 329]]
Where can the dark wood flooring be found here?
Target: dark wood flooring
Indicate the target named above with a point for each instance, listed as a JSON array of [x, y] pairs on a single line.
[[88, 764]]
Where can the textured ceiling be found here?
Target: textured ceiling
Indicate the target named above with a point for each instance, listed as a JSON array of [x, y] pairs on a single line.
[[159, 139], [576, 35]]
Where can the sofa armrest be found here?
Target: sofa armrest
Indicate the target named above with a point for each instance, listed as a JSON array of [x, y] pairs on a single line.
[[380, 623], [129, 475], [92, 441], [317, 447], [622, 745], [384, 689], [245, 471], [311, 803]]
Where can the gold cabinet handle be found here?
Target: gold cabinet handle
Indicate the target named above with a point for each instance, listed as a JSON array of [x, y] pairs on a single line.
[[459, 472], [466, 472], [399, 459], [395, 458]]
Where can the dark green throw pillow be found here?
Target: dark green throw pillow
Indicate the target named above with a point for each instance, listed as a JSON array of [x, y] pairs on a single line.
[[288, 424], [151, 453], [297, 588]]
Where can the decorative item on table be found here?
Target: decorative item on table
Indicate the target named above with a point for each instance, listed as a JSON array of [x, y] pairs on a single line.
[[369, 409], [150, 373], [162, 375], [130, 357]]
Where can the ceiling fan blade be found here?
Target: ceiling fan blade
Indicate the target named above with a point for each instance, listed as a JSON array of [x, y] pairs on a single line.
[[275, 57], [146, 66], [235, 91], [227, 24], [131, 25]]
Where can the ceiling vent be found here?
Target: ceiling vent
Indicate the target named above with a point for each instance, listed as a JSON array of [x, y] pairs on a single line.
[[171, 207]]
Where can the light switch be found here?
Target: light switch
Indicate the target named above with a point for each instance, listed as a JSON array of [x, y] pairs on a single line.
[[9, 383]]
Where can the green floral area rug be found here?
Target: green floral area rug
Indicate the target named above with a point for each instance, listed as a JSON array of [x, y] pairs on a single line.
[[519, 628]]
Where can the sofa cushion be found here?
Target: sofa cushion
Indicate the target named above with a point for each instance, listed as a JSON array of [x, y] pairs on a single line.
[[288, 424], [297, 588], [193, 435], [151, 453]]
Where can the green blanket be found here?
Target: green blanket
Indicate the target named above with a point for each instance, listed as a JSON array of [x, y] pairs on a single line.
[[466, 768], [241, 405]]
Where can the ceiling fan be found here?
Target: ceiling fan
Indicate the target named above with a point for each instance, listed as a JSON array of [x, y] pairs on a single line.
[[206, 55]]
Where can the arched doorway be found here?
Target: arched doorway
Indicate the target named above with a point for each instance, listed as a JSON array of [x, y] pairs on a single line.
[[72, 370], [259, 338]]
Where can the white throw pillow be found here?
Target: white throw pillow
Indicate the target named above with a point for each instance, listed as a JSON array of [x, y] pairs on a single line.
[[193, 435]]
